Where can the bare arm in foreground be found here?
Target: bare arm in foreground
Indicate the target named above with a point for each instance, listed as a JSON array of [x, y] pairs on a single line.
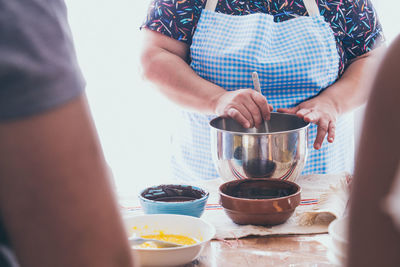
[[56, 200]]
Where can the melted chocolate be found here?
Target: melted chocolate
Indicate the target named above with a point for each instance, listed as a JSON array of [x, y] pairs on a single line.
[[173, 193], [259, 190], [175, 199]]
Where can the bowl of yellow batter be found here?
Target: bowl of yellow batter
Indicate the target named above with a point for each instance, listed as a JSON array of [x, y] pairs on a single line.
[[190, 232]]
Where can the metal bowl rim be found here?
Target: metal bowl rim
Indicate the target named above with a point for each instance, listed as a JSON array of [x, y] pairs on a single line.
[[274, 133]]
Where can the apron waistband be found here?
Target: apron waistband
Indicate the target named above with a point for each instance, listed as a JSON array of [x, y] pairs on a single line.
[[310, 5]]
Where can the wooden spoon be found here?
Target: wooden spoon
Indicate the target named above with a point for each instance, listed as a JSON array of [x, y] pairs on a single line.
[[257, 87]]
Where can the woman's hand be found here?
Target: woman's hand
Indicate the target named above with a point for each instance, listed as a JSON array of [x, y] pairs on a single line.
[[246, 106], [320, 111]]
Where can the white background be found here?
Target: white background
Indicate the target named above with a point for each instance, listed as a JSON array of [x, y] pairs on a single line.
[[132, 119]]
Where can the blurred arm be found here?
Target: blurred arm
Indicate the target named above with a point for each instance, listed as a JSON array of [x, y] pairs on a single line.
[[55, 197], [374, 241]]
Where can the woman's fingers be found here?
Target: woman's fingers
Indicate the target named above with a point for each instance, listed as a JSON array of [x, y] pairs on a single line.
[[320, 113], [326, 126], [254, 110], [264, 108], [322, 129], [288, 110], [331, 131], [246, 106], [252, 106], [239, 117], [235, 114], [304, 113], [312, 116]]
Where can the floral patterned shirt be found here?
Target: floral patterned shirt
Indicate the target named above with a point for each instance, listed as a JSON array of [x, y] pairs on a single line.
[[354, 22]]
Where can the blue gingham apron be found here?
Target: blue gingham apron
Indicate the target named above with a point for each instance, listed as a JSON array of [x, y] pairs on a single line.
[[295, 60]]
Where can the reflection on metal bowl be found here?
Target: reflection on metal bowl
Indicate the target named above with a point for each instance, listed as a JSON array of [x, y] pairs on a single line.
[[240, 153]]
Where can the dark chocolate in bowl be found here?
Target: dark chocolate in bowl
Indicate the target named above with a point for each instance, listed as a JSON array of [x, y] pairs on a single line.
[[174, 199], [256, 189], [173, 193], [259, 201]]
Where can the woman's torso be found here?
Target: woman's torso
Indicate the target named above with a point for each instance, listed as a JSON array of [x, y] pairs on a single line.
[[191, 142]]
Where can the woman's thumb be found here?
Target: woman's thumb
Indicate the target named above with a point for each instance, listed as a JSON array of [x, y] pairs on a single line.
[[288, 110]]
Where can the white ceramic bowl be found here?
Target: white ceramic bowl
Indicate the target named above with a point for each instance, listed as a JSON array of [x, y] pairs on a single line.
[[170, 224], [339, 240], [335, 261], [338, 232]]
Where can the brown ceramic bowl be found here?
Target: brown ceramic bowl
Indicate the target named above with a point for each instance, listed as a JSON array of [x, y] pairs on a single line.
[[259, 201]]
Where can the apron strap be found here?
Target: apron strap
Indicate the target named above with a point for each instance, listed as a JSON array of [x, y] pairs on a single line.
[[312, 7], [212, 5]]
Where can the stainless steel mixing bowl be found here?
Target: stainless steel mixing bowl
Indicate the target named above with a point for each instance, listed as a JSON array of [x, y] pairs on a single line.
[[240, 153]]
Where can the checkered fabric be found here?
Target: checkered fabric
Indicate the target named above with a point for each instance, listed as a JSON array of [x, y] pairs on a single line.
[[295, 60]]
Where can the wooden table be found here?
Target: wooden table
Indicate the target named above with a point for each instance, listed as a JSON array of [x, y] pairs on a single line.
[[299, 250]]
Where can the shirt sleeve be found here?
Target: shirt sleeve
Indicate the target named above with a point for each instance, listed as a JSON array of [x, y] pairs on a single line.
[[38, 65], [175, 19], [362, 30]]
